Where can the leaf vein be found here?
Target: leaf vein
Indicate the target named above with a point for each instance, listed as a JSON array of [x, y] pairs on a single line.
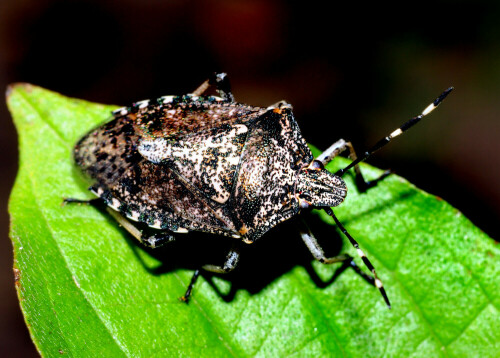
[[284, 307], [418, 310], [469, 323]]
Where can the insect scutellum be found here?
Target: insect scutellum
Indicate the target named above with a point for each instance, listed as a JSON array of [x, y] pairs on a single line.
[[204, 163]]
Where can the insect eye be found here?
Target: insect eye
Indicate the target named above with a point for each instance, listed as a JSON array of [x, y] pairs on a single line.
[[316, 164]]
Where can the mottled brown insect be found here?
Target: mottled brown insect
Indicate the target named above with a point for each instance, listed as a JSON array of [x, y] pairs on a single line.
[[206, 163]]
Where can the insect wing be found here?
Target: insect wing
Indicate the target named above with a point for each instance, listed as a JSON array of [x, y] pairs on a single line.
[[141, 190], [208, 159]]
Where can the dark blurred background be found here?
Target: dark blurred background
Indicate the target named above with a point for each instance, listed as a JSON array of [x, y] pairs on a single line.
[[350, 70]]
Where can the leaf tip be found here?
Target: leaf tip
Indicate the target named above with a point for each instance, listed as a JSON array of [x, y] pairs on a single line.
[[13, 86]]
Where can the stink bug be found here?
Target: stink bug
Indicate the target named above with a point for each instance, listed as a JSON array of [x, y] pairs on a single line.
[[207, 163]]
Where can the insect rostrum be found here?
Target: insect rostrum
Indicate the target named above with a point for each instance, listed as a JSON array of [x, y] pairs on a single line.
[[207, 163]]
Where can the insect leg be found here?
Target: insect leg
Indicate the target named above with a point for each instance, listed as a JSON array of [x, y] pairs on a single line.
[[368, 264], [95, 201], [315, 248], [232, 259], [340, 146], [281, 104], [187, 295], [318, 253], [152, 241], [221, 83], [229, 265]]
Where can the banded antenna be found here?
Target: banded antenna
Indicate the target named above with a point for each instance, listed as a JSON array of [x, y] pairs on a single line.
[[403, 128]]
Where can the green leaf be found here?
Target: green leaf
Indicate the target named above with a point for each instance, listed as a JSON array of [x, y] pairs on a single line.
[[87, 290]]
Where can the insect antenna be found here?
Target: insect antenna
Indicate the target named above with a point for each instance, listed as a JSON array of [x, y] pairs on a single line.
[[378, 282], [407, 125], [381, 143]]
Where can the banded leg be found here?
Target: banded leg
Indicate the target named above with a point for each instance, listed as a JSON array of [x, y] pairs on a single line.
[[340, 146], [187, 295], [229, 265], [222, 86], [361, 254], [232, 259], [318, 253], [315, 248], [152, 241]]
